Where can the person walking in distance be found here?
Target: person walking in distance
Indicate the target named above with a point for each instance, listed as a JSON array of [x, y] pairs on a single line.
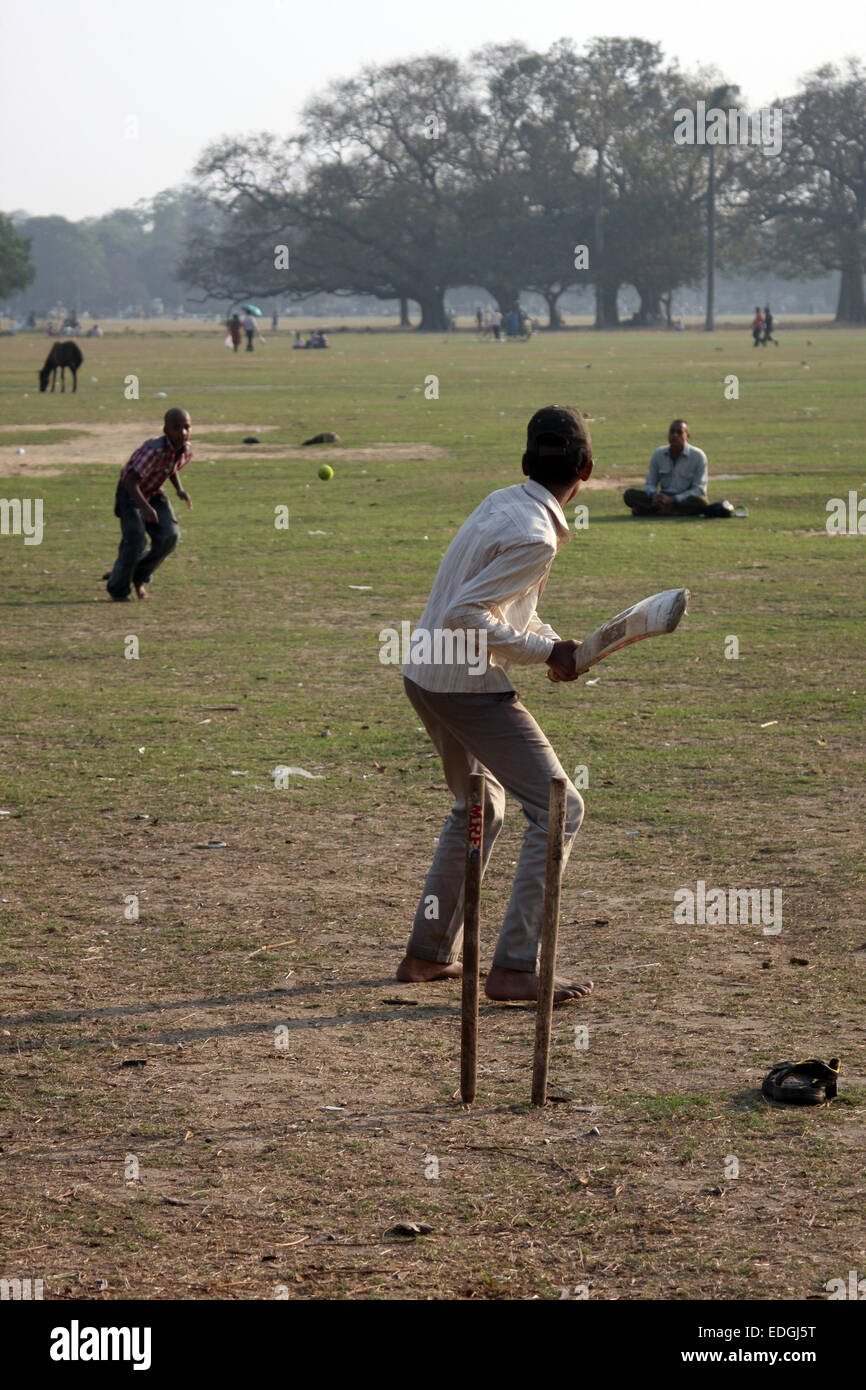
[[758, 328], [768, 328], [144, 510], [486, 591]]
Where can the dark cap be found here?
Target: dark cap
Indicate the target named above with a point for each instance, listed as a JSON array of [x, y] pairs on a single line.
[[558, 425]]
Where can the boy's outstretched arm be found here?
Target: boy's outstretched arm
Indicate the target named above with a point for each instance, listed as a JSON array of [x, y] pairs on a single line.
[[181, 492]]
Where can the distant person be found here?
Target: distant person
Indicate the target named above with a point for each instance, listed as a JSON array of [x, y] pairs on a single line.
[[768, 328], [676, 484], [250, 330], [758, 327], [144, 510], [275, 318], [479, 317], [298, 340], [512, 323], [497, 325], [234, 327]]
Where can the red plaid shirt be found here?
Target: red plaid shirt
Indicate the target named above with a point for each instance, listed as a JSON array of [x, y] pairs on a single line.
[[153, 463]]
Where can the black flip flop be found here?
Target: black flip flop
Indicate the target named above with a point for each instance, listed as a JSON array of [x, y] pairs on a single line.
[[802, 1083]]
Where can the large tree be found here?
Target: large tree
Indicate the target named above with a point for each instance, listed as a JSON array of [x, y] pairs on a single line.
[[527, 207], [368, 194], [16, 269], [602, 98], [122, 239], [812, 193], [70, 264]]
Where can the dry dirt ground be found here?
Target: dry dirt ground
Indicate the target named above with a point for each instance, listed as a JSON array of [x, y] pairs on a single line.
[[113, 444], [235, 1098]]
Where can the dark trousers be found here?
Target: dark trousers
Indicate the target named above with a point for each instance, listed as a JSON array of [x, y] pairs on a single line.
[[136, 563], [249, 340], [641, 504]]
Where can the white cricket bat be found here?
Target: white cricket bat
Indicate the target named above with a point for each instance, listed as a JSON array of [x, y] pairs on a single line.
[[652, 616]]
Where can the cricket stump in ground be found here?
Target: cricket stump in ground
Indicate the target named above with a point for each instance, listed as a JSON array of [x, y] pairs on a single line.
[[549, 932], [471, 948]]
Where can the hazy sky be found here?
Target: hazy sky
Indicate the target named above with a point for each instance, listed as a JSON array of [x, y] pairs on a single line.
[[77, 77]]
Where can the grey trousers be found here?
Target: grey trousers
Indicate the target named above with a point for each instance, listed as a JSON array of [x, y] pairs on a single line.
[[641, 504], [493, 734], [136, 563]]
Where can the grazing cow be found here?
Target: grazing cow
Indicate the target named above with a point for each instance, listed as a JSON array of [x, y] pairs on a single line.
[[62, 355]]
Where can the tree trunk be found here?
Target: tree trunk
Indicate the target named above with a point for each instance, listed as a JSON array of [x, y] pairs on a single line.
[[597, 261], [404, 312], [433, 316], [607, 306], [650, 298], [851, 307], [553, 314], [709, 320], [506, 296]]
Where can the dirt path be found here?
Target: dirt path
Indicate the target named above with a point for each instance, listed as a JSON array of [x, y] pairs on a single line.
[[113, 444]]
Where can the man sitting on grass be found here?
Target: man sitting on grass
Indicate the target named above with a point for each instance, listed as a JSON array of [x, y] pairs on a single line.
[[144, 510], [676, 484]]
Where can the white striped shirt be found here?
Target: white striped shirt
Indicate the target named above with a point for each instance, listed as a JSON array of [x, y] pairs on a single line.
[[489, 582]]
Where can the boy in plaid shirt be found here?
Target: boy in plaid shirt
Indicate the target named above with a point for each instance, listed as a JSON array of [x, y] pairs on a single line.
[[145, 510]]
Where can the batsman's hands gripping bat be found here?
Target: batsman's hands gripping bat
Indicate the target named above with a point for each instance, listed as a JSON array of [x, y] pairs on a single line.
[[652, 616], [561, 661]]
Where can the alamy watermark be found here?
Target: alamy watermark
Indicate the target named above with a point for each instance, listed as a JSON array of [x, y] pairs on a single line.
[[16, 1290], [735, 126], [22, 517], [855, 1288], [714, 907], [842, 519], [441, 647], [77, 1343]]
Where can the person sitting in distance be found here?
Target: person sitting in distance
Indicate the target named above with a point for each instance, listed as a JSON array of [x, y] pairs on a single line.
[[676, 484]]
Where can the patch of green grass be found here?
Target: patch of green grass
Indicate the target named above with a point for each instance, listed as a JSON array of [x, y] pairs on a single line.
[[661, 1107], [17, 438]]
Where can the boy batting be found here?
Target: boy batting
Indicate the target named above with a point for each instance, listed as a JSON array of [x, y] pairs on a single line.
[[486, 592]]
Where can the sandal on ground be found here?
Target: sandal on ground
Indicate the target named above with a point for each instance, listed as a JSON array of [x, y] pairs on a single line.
[[802, 1083]]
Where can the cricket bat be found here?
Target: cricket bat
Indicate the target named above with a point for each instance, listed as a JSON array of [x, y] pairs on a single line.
[[654, 615]]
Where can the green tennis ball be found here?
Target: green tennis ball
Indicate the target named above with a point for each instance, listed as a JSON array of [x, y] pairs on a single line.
[[326, 472]]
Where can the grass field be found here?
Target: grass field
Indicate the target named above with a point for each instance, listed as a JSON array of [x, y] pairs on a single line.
[[221, 1098]]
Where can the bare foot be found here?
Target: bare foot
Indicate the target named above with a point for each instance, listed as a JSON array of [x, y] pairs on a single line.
[[414, 970], [141, 591], [522, 985]]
